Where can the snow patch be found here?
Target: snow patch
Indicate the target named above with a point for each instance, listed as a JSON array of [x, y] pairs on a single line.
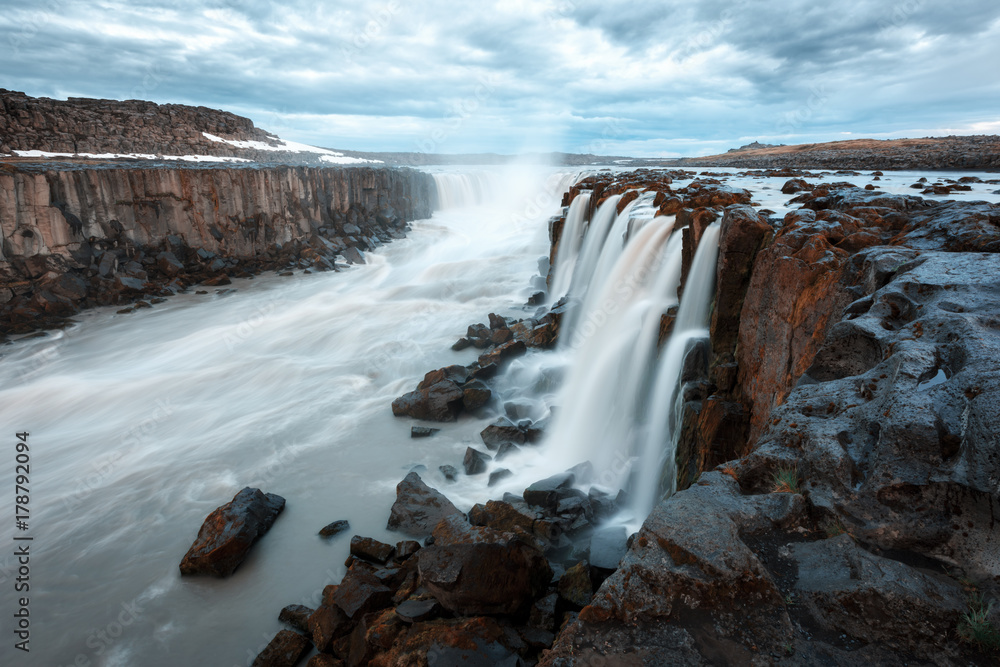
[[343, 159], [292, 147], [133, 156]]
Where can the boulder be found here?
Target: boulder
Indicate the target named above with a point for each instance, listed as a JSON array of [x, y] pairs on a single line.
[[548, 492], [413, 611], [474, 570], [418, 507], [499, 475], [334, 528], [285, 650], [608, 547], [501, 431], [228, 533], [795, 185], [353, 256], [475, 395], [370, 549], [475, 462], [575, 586], [297, 616], [361, 593], [441, 402]]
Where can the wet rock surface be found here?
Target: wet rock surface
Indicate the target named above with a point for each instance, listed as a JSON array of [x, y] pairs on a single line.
[[418, 507], [852, 358], [227, 534]]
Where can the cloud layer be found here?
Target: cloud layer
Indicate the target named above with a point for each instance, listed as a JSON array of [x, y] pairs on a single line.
[[610, 77]]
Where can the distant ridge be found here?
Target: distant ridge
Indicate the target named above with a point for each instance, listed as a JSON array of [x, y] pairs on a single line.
[[953, 152]]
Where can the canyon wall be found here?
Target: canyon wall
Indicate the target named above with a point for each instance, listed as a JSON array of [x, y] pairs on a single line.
[[77, 237]]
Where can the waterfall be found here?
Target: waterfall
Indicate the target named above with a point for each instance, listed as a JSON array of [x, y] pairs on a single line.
[[657, 455], [459, 190], [569, 245], [595, 408], [619, 402]]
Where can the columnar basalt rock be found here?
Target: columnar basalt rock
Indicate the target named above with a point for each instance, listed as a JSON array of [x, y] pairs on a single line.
[[73, 238]]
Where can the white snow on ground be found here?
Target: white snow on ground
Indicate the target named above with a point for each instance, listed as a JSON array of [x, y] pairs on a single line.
[[133, 156], [294, 147], [325, 155], [343, 159]]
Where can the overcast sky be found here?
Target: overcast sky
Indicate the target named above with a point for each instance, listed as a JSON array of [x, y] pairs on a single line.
[[610, 77]]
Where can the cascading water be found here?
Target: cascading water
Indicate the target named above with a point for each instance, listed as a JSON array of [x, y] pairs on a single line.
[[458, 190], [617, 407], [569, 250], [660, 446]]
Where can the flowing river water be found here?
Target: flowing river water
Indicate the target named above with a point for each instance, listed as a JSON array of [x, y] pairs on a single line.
[[142, 424]]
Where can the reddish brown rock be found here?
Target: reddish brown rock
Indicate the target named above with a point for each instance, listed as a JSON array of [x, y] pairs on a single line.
[[744, 233], [473, 570], [440, 402], [228, 533], [418, 507], [285, 650]]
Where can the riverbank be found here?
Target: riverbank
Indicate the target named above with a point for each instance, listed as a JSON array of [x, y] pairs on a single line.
[[76, 238]]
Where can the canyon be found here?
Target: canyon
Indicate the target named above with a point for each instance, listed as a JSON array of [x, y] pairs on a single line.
[[825, 489]]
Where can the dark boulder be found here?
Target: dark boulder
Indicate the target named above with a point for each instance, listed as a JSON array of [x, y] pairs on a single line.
[[440, 402], [361, 593], [475, 395], [228, 533], [575, 586], [473, 570], [413, 611], [285, 650], [297, 616], [547, 492], [418, 507], [334, 528], [475, 462], [370, 549], [795, 185]]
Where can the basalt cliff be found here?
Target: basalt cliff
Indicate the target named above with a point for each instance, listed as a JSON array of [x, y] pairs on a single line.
[[77, 232]]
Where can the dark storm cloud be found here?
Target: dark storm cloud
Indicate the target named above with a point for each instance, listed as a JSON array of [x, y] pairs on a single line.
[[670, 77]]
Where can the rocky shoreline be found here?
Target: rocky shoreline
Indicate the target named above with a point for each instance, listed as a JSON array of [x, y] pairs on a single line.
[[838, 470], [76, 238]]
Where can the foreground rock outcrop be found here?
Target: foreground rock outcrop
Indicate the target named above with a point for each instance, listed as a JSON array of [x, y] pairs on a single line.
[[227, 534], [846, 407]]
